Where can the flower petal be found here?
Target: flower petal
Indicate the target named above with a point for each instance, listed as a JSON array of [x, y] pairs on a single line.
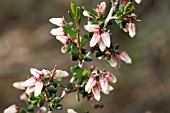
[[92, 27], [102, 7], [104, 85], [57, 21], [96, 93], [58, 31], [132, 29], [19, 85], [102, 46], [38, 88], [30, 82], [125, 57], [29, 90], [111, 77], [106, 39], [60, 73], [138, 1], [35, 72], [90, 84], [42, 110], [95, 39], [112, 62], [71, 111], [11, 109], [46, 72], [62, 39]]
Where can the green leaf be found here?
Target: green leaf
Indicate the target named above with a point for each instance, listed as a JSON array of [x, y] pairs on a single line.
[[59, 107], [30, 107], [77, 96], [56, 99], [33, 102], [129, 8], [67, 29], [121, 8], [21, 110], [76, 75], [119, 23], [85, 72], [85, 39], [56, 80], [87, 58], [107, 57], [78, 14], [73, 8], [79, 80], [68, 48], [71, 16], [116, 46], [76, 69], [98, 53], [91, 11], [40, 102]]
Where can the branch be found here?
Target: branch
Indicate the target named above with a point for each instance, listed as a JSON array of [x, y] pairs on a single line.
[[109, 16]]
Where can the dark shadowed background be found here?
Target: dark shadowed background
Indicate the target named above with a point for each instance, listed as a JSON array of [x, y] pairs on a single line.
[[25, 42]]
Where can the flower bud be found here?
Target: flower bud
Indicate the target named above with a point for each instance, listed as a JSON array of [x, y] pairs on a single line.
[[23, 97], [132, 29], [60, 73], [112, 61], [58, 31], [138, 1], [92, 27], [46, 72], [111, 77], [62, 39], [57, 21], [102, 7], [125, 57]]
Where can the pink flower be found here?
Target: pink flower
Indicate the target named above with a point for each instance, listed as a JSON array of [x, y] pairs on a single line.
[[23, 96], [104, 85], [103, 40], [112, 61], [92, 27], [102, 7], [58, 31], [63, 39], [138, 1], [131, 28], [57, 21], [11, 109], [111, 77], [90, 84], [19, 85], [125, 57], [96, 92]]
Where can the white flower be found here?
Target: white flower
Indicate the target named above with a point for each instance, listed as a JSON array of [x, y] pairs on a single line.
[[11, 109], [57, 21], [71, 111]]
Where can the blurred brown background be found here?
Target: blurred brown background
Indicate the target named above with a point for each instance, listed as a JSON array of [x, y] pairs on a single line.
[[25, 42]]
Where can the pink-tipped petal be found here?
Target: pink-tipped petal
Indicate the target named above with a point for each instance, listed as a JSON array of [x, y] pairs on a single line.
[[106, 39], [90, 84], [138, 1], [112, 62], [11, 109], [92, 27], [95, 39], [62, 39], [125, 57], [30, 82], [111, 77], [96, 93], [38, 88], [111, 88], [29, 90], [102, 7], [101, 45], [132, 29], [46, 72], [36, 73], [104, 85], [19, 85], [60, 73], [57, 21]]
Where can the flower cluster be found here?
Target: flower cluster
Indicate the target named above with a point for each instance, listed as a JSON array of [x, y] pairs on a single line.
[[98, 82], [59, 32], [43, 86]]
